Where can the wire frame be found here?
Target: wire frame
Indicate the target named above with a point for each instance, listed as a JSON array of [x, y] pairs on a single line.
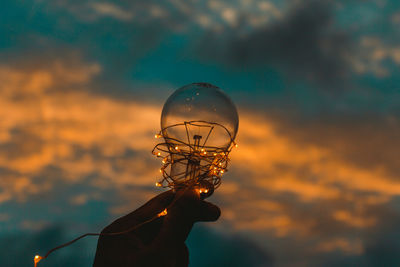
[[204, 168], [202, 165]]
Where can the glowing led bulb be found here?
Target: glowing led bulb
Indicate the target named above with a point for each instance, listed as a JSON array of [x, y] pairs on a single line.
[[163, 213], [36, 259], [199, 123]]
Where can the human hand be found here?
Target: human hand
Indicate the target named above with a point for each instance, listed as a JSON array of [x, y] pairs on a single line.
[[160, 242]]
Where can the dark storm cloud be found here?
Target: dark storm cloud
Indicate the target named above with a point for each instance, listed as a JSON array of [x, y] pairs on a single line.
[[115, 35], [367, 140], [304, 42]]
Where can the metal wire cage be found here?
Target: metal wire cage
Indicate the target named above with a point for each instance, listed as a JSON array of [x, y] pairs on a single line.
[[192, 162]]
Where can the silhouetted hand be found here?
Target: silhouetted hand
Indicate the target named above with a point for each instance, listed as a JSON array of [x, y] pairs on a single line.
[[160, 242]]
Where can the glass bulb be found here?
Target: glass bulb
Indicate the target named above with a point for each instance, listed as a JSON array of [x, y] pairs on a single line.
[[199, 123], [209, 108]]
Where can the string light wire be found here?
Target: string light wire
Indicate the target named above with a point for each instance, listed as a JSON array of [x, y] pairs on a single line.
[[210, 161], [38, 258], [214, 159]]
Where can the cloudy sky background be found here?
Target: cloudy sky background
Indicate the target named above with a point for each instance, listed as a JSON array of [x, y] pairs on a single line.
[[315, 180]]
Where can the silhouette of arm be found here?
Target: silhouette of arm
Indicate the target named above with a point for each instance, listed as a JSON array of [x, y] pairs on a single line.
[[160, 242]]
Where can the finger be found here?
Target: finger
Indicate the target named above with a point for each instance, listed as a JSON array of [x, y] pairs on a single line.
[[182, 256], [185, 210], [110, 246], [142, 214], [191, 206], [207, 212], [154, 206]]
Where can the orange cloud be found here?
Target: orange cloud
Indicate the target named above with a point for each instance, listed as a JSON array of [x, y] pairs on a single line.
[[275, 184], [348, 246], [354, 220]]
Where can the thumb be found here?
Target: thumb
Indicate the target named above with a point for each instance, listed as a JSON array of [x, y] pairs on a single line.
[[186, 209], [145, 212]]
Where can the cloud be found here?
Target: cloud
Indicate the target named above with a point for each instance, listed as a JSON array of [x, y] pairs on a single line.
[[303, 42], [50, 121], [111, 10], [4, 217], [277, 163], [396, 18], [307, 41], [18, 249], [375, 52], [225, 250], [343, 245], [313, 182], [302, 191]]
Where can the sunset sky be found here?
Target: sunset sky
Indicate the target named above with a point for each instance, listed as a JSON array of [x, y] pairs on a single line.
[[315, 180]]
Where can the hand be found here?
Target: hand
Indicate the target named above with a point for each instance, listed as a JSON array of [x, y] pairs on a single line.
[[160, 242]]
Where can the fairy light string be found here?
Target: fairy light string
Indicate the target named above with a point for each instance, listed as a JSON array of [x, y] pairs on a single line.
[[211, 163], [38, 258]]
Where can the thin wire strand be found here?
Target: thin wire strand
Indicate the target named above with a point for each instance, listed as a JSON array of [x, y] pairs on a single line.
[[176, 151], [114, 233], [171, 182]]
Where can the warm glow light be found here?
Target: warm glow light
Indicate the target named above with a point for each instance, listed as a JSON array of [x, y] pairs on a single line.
[[163, 213], [158, 184], [159, 154], [36, 259], [187, 124]]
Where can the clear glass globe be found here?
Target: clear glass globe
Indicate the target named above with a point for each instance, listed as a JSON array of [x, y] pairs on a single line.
[[202, 113]]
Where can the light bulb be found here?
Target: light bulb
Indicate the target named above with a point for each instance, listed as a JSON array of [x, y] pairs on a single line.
[[199, 124], [201, 103]]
